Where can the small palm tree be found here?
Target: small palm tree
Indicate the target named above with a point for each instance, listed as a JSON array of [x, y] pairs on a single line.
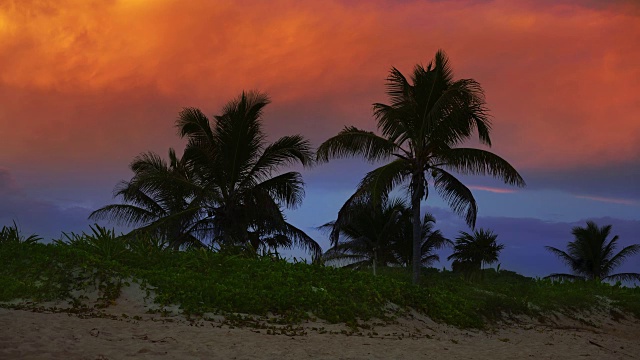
[[101, 242], [380, 234], [472, 251], [422, 128], [11, 235], [431, 240], [592, 257], [365, 235], [158, 200], [243, 191]]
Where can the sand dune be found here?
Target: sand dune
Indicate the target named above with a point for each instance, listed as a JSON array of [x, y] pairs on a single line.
[[125, 330]]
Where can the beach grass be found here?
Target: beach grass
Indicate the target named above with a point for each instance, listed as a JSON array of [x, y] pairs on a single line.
[[202, 281]]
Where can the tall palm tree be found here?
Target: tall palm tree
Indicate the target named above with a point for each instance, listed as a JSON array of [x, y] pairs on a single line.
[[472, 251], [592, 257], [159, 199], [380, 234], [422, 127], [236, 167]]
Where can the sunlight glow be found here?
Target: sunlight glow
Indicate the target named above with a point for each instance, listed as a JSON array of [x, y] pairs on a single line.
[[492, 189]]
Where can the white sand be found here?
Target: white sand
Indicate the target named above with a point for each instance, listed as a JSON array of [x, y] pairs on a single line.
[[126, 331]]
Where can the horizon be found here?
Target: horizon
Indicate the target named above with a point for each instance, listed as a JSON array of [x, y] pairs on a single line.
[[90, 86]]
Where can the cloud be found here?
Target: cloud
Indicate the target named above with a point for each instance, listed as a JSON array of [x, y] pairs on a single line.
[[8, 185], [91, 84], [34, 216], [491, 189], [607, 200], [614, 180], [556, 75]]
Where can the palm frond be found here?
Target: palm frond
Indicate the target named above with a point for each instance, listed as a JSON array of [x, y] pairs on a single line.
[[287, 189], [355, 142], [123, 214], [302, 240], [195, 126], [569, 277], [623, 277], [481, 162], [456, 194], [565, 257], [621, 256], [131, 193], [379, 182]]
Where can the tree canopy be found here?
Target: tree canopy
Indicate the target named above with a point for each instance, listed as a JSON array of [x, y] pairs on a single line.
[[229, 189]]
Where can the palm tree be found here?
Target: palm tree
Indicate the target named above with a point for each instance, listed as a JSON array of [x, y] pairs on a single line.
[[421, 128], [159, 199], [431, 240], [472, 251], [591, 257], [234, 166], [367, 234], [380, 234]]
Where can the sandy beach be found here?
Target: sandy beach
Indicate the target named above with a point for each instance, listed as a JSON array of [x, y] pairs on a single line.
[[126, 330]]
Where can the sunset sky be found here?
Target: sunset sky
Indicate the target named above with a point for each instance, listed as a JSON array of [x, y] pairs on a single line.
[[87, 85]]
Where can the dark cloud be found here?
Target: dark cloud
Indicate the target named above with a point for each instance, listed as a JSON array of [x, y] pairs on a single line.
[[34, 216], [614, 180]]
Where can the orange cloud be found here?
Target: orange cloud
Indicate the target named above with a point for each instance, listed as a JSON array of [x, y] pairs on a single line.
[[561, 79]]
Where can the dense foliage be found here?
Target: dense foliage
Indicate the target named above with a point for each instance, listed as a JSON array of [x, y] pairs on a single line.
[[228, 189], [379, 233], [200, 281]]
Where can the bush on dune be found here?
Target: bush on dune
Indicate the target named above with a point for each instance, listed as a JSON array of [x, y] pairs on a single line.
[[202, 281]]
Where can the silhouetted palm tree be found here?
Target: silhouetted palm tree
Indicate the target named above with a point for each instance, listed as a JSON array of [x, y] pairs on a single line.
[[366, 233], [472, 251], [421, 128], [431, 240], [235, 168], [592, 257], [380, 234], [159, 200]]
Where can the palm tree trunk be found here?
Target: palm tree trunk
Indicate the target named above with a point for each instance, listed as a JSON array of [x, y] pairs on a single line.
[[375, 261], [416, 190]]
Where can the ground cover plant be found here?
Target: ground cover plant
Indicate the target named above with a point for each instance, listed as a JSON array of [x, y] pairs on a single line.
[[203, 281]]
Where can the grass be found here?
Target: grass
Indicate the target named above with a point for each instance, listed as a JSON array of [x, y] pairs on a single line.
[[202, 281]]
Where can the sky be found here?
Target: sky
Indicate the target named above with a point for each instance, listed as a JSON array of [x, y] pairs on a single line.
[[87, 85]]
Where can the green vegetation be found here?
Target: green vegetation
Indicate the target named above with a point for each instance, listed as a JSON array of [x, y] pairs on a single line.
[[422, 128], [11, 235], [201, 281], [209, 224]]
